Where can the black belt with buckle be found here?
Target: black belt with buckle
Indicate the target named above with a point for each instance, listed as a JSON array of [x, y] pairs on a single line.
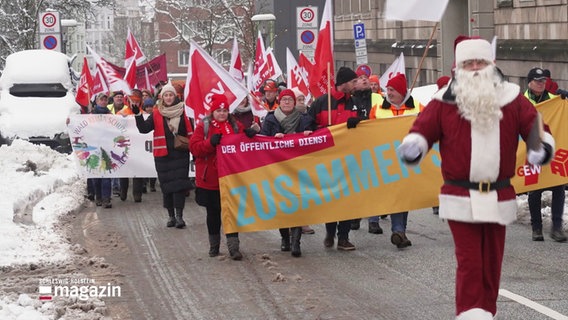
[[483, 186]]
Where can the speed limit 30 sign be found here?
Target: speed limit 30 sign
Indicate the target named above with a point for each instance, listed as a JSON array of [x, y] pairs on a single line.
[[307, 17], [49, 22]]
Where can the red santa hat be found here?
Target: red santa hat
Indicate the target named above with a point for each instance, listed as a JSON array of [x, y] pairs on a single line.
[[218, 101], [473, 49], [398, 83]]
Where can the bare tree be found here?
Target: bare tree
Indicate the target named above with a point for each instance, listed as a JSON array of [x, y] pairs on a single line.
[[19, 20]]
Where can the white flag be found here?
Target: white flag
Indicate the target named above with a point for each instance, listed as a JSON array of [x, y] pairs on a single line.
[[431, 10], [395, 68]]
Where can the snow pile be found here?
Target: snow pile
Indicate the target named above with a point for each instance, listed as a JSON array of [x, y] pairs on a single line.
[[38, 186]]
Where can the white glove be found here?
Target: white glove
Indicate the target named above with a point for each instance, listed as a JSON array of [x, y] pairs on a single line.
[[409, 152], [536, 157]]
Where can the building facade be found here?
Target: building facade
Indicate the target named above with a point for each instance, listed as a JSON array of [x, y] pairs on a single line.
[[530, 33]]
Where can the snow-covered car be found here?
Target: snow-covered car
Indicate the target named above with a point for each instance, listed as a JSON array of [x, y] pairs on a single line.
[[36, 98]]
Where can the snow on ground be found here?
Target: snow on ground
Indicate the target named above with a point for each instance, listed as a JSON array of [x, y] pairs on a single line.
[[39, 188]]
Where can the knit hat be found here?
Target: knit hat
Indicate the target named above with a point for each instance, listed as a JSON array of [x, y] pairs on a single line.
[[536, 74], [374, 78], [289, 93], [168, 88], [398, 83], [218, 101], [148, 102], [344, 75], [478, 49]]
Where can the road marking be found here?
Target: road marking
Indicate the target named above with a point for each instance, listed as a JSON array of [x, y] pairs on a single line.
[[533, 305]]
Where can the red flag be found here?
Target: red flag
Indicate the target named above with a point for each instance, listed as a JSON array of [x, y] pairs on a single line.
[[113, 79], [133, 51], [130, 75], [323, 55], [84, 87], [206, 77], [265, 66], [297, 76], [236, 66], [99, 84]]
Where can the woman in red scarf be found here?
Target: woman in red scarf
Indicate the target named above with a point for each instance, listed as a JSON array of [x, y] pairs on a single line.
[[203, 145], [167, 120]]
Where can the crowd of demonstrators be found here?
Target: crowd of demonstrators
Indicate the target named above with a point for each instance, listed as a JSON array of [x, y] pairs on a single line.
[[203, 145], [477, 120], [536, 93], [167, 120], [283, 120], [343, 109]]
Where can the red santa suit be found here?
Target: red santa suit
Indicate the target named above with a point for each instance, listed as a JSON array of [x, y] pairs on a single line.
[[477, 217]]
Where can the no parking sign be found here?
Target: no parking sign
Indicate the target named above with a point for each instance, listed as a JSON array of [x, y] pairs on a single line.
[[50, 31]]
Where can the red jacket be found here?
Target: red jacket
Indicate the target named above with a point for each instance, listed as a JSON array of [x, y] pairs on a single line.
[[206, 175]]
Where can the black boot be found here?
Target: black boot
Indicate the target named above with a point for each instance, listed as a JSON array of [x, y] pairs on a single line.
[[171, 219], [285, 244], [233, 245], [296, 235], [180, 224], [214, 242]]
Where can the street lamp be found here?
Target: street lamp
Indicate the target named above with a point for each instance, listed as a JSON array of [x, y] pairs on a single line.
[[264, 19]]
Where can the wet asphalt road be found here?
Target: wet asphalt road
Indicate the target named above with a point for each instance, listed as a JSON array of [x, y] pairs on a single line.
[[165, 273]]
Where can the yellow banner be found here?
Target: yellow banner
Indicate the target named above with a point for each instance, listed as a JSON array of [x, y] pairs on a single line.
[[339, 174]]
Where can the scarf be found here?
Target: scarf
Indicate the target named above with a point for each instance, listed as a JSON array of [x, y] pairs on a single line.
[[172, 114], [223, 127], [288, 122]]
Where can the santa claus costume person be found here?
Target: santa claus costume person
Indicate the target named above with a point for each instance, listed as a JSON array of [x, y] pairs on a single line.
[[477, 120]]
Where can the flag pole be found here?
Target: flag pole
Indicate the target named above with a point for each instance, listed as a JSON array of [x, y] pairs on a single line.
[[328, 94], [424, 55]]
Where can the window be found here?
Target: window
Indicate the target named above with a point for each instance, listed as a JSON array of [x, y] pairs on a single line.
[[183, 58]]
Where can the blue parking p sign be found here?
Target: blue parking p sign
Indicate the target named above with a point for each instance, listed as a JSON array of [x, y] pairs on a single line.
[[359, 31]]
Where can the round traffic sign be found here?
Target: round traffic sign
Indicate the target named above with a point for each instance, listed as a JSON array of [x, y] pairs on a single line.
[[49, 20], [307, 36], [307, 15], [50, 42]]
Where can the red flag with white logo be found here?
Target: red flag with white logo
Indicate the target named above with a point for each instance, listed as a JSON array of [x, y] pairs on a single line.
[[323, 55], [297, 76], [265, 65], [83, 96], [130, 75], [236, 66], [113, 79], [99, 84], [206, 77], [133, 51]]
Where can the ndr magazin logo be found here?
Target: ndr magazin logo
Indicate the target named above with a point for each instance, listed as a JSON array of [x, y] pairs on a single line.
[[83, 289]]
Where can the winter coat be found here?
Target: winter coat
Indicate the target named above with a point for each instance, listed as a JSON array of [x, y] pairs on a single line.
[[206, 175], [342, 108], [472, 155], [271, 126], [172, 169]]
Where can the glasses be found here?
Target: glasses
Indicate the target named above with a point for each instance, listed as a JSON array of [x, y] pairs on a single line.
[[287, 99]]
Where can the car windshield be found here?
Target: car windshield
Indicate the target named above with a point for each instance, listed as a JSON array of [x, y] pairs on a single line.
[[44, 90]]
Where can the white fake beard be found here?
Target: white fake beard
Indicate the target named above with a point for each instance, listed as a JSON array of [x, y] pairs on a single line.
[[476, 97]]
